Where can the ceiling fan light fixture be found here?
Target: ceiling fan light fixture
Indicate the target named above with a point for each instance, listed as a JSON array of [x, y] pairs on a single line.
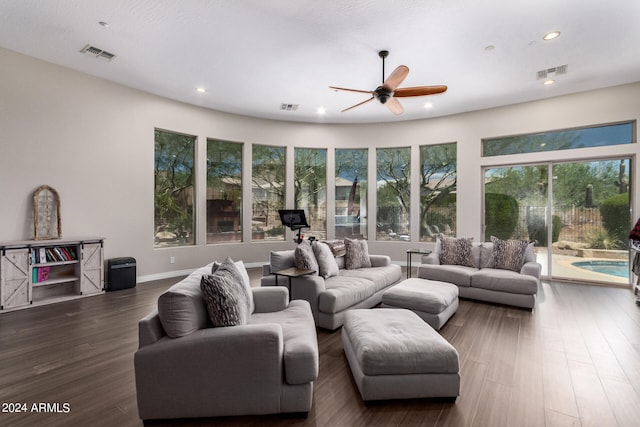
[[551, 35]]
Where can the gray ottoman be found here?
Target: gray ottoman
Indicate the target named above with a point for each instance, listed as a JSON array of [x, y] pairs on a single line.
[[393, 354], [435, 302]]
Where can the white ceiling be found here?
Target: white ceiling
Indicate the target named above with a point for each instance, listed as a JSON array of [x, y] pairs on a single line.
[[252, 56]]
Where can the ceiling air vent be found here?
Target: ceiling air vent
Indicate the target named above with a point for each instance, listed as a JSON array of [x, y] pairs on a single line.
[[289, 107], [553, 71], [97, 52]]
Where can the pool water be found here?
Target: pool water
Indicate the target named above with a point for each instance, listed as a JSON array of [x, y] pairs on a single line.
[[613, 268]]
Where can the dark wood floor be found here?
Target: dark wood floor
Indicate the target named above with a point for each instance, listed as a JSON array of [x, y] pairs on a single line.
[[574, 360]]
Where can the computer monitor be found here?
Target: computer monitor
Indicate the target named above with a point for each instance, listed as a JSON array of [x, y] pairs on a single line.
[[295, 219]]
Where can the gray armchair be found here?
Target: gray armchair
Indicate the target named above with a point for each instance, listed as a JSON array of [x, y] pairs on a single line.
[[266, 366]]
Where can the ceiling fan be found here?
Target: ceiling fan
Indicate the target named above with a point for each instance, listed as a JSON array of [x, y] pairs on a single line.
[[389, 91]]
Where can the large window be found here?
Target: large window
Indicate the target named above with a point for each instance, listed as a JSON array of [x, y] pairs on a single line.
[[224, 191], [596, 136], [393, 167], [174, 189], [310, 185], [268, 192], [437, 191], [351, 193]]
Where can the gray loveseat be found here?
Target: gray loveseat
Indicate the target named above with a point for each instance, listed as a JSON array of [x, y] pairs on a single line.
[[184, 368], [481, 282], [330, 298]]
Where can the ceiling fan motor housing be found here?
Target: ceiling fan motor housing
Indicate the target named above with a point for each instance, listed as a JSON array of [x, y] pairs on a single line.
[[382, 94]]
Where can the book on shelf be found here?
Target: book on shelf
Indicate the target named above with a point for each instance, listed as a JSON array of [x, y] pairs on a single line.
[[40, 274], [43, 273]]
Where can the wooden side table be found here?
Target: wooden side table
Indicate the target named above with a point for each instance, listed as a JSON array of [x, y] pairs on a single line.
[[415, 251], [292, 272]]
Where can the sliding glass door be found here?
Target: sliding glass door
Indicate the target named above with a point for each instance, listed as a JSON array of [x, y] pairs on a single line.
[[516, 206], [583, 236], [591, 206]]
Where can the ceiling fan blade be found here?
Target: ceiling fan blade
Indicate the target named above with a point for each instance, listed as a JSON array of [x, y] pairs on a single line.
[[350, 90], [395, 106], [396, 78], [419, 91], [357, 105]]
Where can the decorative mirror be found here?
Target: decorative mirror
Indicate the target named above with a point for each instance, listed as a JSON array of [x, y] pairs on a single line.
[[46, 214]]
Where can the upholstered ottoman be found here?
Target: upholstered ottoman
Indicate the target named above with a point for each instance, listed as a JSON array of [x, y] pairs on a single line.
[[394, 354], [435, 302]]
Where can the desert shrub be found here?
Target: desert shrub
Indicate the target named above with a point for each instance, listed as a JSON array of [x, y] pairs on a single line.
[[615, 215], [601, 238], [501, 215]]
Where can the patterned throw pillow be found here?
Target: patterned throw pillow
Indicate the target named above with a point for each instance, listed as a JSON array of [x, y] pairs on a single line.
[[326, 262], [226, 299], [508, 254], [357, 255], [456, 251], [337, 247], [239, 272], [305, 258]]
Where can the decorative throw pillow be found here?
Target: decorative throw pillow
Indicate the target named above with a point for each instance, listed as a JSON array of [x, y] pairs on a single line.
[[239, 272], [225, 298], [456, 251], [326, 262], [305, 258], [357, 255], [508, 254], [338, 247], [246, 282]]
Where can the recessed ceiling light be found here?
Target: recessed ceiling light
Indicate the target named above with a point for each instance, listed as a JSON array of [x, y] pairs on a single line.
[[428, 105], [548, 82], [201, 90], [321, 111], [489, 48], [552, 35], [104, 24]]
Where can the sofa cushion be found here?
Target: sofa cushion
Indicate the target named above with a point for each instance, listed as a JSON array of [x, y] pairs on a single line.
[[300, 340], [457, 274], [508, 254], [337, 247], [380, 276], [357, 254], [279, 260], [246, 282], [305, 259], [226, 296], [341, 292], [456, 251], [326, 262], [504, 281], [181, 308]]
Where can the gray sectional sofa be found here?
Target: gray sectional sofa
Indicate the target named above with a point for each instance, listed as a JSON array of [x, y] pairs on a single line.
[[186, 368], [330, 298], [481, 282]]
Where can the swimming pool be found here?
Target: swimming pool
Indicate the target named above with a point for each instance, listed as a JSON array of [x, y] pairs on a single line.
[[612, 268]]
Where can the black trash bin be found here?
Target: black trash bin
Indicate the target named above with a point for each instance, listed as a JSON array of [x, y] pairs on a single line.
[[121, 273]]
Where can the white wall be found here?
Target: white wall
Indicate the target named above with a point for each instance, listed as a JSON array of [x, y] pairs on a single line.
[[92, 140]]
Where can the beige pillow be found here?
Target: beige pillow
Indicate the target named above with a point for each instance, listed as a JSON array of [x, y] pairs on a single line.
[[357, 255]]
